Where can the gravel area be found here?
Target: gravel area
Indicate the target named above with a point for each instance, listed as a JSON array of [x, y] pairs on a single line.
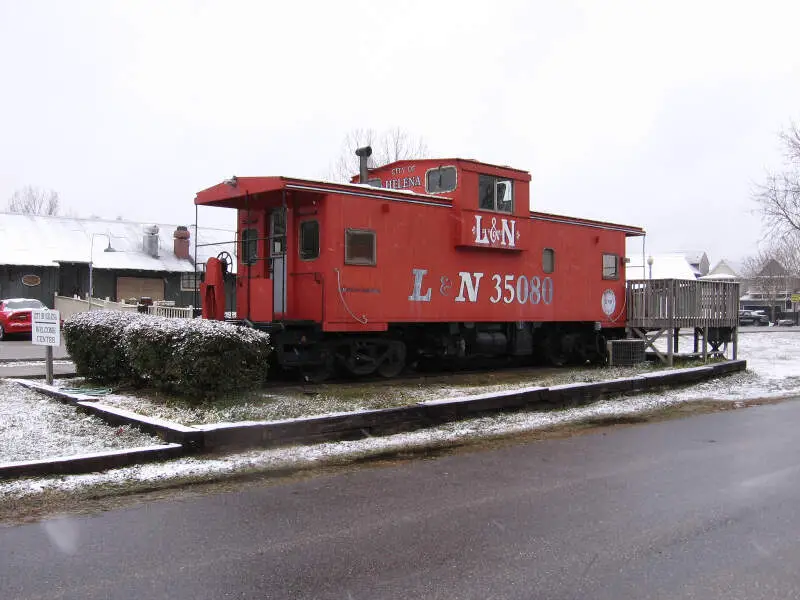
[[33, 426]]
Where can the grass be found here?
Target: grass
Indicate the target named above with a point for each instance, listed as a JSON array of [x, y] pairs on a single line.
[[286, 402], [33, 427]]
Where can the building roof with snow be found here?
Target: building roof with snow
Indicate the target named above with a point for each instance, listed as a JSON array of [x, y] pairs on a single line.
[[665, 266], [698, 261], [724, 270], [36, 240]]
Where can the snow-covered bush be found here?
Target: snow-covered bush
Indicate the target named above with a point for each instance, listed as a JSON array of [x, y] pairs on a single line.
[[150, 345], [94, 342], [196, 357]]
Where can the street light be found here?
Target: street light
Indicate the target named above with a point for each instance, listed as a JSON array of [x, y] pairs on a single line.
[[91, 262], [650, 265]]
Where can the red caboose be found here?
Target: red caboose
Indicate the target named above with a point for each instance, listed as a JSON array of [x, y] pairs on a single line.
[[427, 258]]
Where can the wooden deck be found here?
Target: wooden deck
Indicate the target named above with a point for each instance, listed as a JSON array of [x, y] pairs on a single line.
[[658, 306]]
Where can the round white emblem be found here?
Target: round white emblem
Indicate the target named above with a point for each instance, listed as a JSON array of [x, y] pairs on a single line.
[[609, 302]]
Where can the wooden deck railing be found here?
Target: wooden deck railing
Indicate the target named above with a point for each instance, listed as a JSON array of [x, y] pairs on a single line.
[[678, 303]]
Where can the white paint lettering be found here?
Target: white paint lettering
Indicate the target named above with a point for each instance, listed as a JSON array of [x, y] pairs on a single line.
[[509, 233], [416, 295], [402, 183], [471, 283], [506, 235], [498, 292], [481, 234]]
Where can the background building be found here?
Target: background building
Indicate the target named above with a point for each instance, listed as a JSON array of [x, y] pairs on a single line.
[[41, 256]]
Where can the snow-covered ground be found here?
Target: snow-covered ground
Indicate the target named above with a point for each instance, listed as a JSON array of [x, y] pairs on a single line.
[[33, 426], [773, 371]]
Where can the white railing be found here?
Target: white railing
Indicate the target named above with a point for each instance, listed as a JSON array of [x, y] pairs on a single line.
[[70, 306], [171, 312]]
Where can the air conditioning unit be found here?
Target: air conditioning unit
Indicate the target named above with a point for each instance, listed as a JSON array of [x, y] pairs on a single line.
[[626, 353]]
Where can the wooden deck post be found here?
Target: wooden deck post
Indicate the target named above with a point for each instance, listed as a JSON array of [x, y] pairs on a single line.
[[670, 321], [705, 344]]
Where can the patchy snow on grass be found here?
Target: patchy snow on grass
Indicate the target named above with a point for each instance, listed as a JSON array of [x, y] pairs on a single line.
[[33, 426], [336, 398]]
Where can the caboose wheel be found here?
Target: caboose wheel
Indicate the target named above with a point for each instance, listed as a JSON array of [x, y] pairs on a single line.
[[394, 360], [554, 350], [360, 358], [319, 372]]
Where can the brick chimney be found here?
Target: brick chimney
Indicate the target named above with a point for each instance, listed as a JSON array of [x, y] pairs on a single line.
[[181, 242]]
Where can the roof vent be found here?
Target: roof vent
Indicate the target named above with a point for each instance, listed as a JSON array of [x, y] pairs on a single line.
[[150, 240]]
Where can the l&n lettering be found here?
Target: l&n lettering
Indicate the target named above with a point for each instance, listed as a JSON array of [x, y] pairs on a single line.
[[487, 236], [417, 295], [506, 288], [470, 282]]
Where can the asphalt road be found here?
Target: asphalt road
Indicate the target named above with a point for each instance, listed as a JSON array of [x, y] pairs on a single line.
[[705, 507]]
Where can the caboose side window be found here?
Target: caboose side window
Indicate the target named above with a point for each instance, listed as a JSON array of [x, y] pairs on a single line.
[[359, 247], [548, 260], [309, 240], [440, 180], [610, 266], [495, 194], [249, 246]]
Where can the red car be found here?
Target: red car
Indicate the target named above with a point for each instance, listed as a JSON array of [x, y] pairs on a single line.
[[15, 315]]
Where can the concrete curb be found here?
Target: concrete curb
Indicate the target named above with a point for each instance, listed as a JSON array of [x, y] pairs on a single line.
[[88, 463], [13, 361], [39, 376], [426, 414], [357, 425]]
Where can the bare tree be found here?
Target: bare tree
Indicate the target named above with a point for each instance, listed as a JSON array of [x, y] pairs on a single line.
[[387, 147], [34, 201], [779, 198], [774, 273]]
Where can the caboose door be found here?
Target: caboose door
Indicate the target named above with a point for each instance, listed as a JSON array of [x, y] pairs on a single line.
[[277, 254]]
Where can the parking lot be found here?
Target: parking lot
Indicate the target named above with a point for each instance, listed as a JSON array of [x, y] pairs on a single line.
[[21, 349]]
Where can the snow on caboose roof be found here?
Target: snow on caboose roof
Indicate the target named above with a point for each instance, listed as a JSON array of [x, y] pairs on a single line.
[[36, 240], [221, 193]]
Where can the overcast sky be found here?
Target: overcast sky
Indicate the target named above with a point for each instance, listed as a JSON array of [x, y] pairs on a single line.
[[661, 115]]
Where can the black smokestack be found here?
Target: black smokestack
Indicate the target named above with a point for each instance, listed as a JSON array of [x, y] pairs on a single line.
[[363, 155]]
